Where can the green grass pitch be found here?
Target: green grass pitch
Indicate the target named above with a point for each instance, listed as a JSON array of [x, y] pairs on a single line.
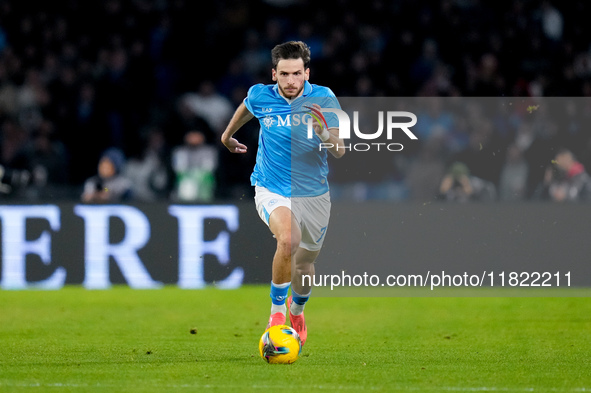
[[123, 340]]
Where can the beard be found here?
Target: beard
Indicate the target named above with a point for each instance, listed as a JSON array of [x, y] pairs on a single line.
[[292, 94]]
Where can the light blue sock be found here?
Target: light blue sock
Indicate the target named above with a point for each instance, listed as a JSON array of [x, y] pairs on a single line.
[[278, 296], [299, 302]]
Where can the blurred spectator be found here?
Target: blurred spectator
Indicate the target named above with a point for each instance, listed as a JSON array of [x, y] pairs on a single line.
[[236, 77], [426, 171], [194, 164], [8, 92], [108, 185], [458, 185], [488, 81], [433, 119], [440, 83], [12, 139], [280, 3], [46, 160], [541, 152], [210, 105], [64, 90], [151, 172], [566, 181], [584, 154], [84, 133], [254, 56], [12, 181], [115, 90], [483, 155], [424, 66], [307, 33], [32, 98], [184, 119], [552, 21], [513, 181]]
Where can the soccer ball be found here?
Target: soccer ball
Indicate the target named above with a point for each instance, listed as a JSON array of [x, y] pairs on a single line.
[[280, 345]]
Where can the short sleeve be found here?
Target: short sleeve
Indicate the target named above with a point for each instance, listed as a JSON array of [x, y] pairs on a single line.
[[331, 101], [251, 97]]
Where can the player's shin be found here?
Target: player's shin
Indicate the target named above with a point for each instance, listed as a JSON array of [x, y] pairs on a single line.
[[301, 287], [298, 299]]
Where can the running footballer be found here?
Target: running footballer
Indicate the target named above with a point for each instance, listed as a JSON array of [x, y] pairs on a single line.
[[290, 175]]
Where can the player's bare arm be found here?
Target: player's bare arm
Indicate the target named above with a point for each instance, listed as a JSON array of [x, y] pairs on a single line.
[[338, 145], [240, 118]]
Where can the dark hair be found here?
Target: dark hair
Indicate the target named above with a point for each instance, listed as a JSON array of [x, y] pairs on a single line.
[[291, 50]]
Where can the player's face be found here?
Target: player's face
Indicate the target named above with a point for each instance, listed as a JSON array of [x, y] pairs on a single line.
[[290, 76]]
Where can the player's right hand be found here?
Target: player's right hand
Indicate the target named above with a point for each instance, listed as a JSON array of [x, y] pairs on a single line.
[[319, 122], [234, 146]]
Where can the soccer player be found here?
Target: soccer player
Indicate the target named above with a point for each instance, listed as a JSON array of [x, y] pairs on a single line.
[[290, 175]]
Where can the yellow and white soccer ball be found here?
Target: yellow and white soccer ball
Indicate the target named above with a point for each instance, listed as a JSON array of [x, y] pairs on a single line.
[[280, 345]]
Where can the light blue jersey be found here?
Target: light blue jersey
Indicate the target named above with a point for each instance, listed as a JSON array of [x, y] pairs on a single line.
[[288, 162]]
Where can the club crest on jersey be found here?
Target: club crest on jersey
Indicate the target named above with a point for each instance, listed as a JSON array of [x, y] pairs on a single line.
[[268, 121]]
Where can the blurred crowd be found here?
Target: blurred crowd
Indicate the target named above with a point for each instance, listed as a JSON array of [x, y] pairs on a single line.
[[124, 100]]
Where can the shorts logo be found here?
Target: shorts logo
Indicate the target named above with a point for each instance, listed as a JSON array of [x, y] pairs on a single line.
[[268, 121], [272, 202]]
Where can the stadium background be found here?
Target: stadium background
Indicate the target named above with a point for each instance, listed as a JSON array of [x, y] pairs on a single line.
[[77, 78]]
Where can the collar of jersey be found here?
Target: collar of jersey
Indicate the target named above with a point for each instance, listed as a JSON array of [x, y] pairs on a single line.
[[307, 90]]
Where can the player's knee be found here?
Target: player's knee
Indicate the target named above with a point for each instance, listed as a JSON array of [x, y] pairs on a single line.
[[288, 243], [296, 238]]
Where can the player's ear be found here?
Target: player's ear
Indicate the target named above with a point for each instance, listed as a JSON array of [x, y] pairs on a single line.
[[307, 74], [274, 74]]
